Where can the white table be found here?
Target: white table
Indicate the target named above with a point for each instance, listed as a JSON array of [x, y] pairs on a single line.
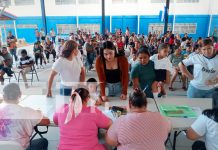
[[179, 124]]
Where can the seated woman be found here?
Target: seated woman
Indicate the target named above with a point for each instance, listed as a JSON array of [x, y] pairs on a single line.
[[139, 129], [49, 49], [206, 126], [112, 71], [79, 123]]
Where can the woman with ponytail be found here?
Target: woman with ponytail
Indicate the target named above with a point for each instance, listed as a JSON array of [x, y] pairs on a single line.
[[79, 123]]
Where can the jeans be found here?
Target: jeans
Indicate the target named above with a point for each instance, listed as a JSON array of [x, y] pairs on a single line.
[[65, 91], [14, 53], [90, 59], [113, 89], [53, 39], [37, 38], [47, 54], [197, 93], [38, 144]]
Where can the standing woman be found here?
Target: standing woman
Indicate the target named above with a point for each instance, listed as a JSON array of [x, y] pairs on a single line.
[[70, 68], [127, 35], [112, 71]]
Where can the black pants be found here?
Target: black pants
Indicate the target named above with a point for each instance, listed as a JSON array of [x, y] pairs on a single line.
[[38, 57], [38, 144], [47, 54], [199, 145]]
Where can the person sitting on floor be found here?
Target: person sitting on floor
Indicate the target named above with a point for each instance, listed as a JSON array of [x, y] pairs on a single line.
[[17, 122], [7, 62], [26, 63], [140, 129], [79, 123], [205, 126]]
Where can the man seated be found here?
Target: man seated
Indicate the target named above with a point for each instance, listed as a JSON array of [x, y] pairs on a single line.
[[17, 122], [26, 63], [6, 63]]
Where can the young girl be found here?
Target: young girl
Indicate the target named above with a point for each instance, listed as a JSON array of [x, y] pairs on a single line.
[[79, 123], [143, 73], [163, 67], [205, 75]]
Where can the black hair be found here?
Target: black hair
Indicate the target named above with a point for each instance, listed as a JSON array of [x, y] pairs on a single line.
[[107, 45], [143, 50], [213, 113], [91, 80], [83, 93], [138, 98], [23, 51], [162, 46], [188, 45], [207, 41]]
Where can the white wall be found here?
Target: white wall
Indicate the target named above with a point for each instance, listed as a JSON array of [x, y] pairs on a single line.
[[143, 7]]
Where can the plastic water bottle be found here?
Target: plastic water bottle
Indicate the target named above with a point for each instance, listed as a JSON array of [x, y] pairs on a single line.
[[215, 99]]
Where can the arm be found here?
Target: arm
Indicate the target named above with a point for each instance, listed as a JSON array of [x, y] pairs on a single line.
[[125, 75], [192, 135], [111, 141], [82, 75], [101, 77], [135, 83], [50, 81], [185, 71], [44, 122]]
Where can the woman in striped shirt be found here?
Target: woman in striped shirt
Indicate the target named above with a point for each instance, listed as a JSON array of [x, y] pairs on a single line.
[[140, 129]]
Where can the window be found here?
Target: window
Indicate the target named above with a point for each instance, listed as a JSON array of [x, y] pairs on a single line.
[[5, 3], [65, 2], [187, 1], [23, 2], [182, 28], [27, 26], [66, 28], [158, 27], [117, 1], [89, 1], [131, 1], [90, 27]]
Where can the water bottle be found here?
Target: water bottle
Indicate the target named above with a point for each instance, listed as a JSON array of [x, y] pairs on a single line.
[[215, 99]]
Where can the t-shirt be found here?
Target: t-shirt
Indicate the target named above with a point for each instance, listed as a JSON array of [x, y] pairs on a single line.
[[204, 69], [7, 57], [11, 42], [80, 133], [69, 70], [26, 60], [17, 122], [175, 60], [207, 127], [89, 48], [161, 64], [145, 74], [140, 131]]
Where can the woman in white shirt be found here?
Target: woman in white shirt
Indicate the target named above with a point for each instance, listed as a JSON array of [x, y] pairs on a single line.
[[70, 68], [205, 75], [206, 126]]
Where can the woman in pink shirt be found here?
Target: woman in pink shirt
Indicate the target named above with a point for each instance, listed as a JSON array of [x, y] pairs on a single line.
[[140, 129], [79, 123]]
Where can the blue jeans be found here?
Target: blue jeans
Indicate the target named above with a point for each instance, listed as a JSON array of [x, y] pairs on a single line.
[[14, 53], [197, 93], [65, 91], [114, 89], [90, 58]]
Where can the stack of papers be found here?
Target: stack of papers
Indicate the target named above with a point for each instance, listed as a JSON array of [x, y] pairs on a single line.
[[177, 111]]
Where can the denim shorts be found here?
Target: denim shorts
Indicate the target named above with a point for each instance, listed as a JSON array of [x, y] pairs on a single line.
[[113, 89], [197, 93], [65, 91]]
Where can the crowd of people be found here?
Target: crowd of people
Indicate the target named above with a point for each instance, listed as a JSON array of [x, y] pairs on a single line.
[[150, 64]]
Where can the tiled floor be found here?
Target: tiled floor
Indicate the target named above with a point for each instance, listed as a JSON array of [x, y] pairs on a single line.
[[53, 134]]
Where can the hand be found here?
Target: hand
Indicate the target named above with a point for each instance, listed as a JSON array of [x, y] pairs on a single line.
[[49, 94], [104, 98], [123, 97], [210, 82]]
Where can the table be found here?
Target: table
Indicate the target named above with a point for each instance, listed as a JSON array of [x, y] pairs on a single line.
[[179, 124], [49, 105]]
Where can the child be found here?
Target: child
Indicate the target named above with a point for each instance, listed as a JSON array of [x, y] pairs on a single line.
[[143, 73], [94, 94], [175, 59], [163, 67], [38, 53], [187, 51]]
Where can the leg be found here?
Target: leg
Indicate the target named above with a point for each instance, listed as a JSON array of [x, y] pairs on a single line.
[[54, 54], [183, 82], [47, 56], [173, 78], [198, 145], [2, 77], [40, 57], [36, 59], [38, 144], [23, 73], [154, 88], [15, 54]]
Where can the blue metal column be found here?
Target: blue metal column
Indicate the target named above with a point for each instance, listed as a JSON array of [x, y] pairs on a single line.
[[43, 16], [103, 17], [166, 16]]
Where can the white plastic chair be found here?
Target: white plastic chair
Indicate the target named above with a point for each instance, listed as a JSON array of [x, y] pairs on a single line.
[[10, 145]]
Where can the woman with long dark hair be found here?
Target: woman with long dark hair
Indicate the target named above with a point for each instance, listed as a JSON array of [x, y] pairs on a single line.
[[112, 71], [70, 68]]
